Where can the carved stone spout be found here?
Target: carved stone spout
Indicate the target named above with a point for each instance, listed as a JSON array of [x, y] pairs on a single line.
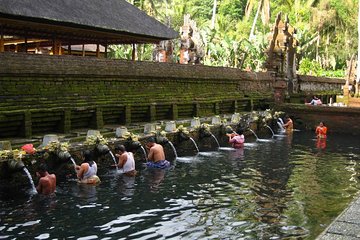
[[15, 165], [64, 155], [102, 148]]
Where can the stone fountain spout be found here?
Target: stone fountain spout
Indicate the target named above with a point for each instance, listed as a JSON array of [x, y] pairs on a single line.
[[161, 140], [15, 165], [102, 148], [204, 132], [64, 155]]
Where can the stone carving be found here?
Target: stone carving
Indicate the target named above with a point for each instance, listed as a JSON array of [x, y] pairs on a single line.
[[191, 51], [282, 52]]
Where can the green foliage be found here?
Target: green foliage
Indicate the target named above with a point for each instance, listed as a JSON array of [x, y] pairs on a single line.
[[325, 30], [312, 67]]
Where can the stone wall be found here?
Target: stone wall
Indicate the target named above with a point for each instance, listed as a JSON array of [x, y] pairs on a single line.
[[57, 94], [337, 119], [311, 84]]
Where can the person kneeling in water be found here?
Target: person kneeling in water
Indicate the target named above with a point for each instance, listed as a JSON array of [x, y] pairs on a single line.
[[156, 155], [126, 161], [237, 139], [87, 171]]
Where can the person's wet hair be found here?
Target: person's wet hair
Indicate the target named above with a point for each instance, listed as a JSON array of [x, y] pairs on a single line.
[[240, 131], [88, 157], [151, 140], [120, 148], [42, 168]]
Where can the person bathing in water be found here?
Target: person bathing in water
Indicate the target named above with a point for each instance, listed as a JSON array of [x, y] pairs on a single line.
[[321, 131], [289, 125], [126, 161], [87, 171], [237, 139], [47, 182], [156, 156]]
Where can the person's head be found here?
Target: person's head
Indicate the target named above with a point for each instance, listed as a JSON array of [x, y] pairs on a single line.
[[42, 169], [315, 97], [287, 117], [87, 156], [321, 124], [120, 149], [150, 142], [240, 131]]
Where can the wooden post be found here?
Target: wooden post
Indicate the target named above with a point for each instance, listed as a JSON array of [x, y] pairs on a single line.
[[69, 49], [2, 47], [97, 50], [26, 45], [106, 49], [83, 50], [56, 48], [133, 57]]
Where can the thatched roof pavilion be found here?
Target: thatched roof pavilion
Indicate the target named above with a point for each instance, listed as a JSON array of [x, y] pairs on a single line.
[[44, 23]]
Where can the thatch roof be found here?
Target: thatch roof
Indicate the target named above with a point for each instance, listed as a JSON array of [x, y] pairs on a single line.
[[109, 16]]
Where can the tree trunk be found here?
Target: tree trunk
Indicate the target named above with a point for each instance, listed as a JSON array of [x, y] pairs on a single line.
[[251, 36], [213, 15]]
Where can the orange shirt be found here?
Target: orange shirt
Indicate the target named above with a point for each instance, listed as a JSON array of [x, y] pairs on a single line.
[[321, 131]]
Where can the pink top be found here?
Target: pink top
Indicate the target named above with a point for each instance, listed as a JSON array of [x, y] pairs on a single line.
[[237, 141]]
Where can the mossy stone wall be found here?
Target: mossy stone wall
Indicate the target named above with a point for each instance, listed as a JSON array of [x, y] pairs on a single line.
[[42, 94]]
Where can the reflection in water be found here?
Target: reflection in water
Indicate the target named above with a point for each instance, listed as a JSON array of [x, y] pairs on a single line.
[[269, 190], [154, 177]]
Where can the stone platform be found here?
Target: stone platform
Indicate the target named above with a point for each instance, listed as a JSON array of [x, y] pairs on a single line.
[[346, 226]]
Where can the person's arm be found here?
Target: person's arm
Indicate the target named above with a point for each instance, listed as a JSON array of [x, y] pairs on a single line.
[[231, 139], [81, 171], [122, 160], [39, 187], [151, 154]]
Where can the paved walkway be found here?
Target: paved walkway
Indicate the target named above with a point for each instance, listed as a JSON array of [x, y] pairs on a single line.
[[346, 226]]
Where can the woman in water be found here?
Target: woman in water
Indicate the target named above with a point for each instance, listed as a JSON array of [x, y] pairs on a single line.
[[87, 171]]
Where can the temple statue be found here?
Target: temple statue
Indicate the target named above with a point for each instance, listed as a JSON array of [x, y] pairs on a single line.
[[350, 86], [164, 51], [191, 51], [282, 53]]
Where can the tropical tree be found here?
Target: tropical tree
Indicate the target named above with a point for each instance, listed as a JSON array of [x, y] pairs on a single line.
[[263, 7]]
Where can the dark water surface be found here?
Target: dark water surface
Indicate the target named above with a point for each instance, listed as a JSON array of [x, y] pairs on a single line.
[[284, 189]]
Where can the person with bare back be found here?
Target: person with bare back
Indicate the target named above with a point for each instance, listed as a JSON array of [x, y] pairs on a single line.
[[156, 155], [47, 182]]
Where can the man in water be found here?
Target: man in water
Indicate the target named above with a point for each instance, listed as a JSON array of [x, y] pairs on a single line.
[[47, 182], [126, 161], [156, 154], [289, 125]]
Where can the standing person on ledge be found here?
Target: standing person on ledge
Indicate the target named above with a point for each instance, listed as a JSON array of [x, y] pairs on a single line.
[[87, 171], [47, 182], [156, 155], [321, 131], [237, 139], [289, 125], [126, 161]]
